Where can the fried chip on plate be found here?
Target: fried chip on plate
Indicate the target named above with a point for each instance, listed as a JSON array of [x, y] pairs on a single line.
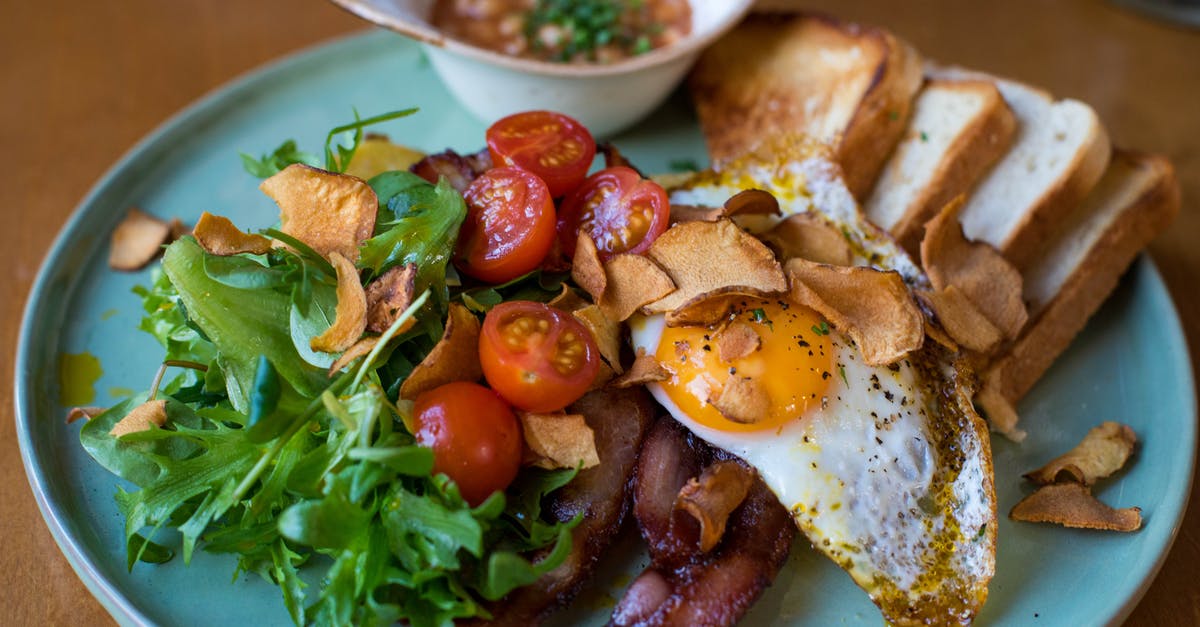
[[742, 400], [1001, 415], [328, 211], [86, 413], [605, 331], [217, 235], [701, 257], [959, 318], [745, 202], [735, 341], [632, 282], [389, 295], [644, 369], [586, 268], [1072, 505], [360, 348], [871, 306], [350, 318], [810, 237], [712, 497], [559, 440], [567, 299], [137, 240], [712, 307], [988, 280], [141, 418], [454, 358], [1103, 451]]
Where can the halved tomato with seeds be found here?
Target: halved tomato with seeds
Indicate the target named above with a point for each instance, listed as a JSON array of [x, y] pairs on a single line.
[[536, 357], [551, 145], [623, 212], [509, 228]]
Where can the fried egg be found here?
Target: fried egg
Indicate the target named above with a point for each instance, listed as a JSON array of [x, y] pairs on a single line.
[[886, 470]]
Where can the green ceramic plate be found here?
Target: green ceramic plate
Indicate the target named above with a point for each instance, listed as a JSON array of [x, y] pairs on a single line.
[[1130, 364]]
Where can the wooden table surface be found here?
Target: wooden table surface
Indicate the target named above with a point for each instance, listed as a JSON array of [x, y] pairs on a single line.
[[82, 81]]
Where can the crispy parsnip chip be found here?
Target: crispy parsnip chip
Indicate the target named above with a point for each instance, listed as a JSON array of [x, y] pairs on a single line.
[[810, 237], [712, 497], [742, 400], [1103, 451], [605, 331], [1072, 505], [559, 440], [178, 229], [567, 299], [632, 281], [360, 348], [871, 306], [389, 295], [1001, 415], [962, 320], [328, 211], [985, 277], [711, 307], [687, 252], [141, 418], [745, 202], [86, 413], [454, 358], [217, 235], [137, 240], [644, 369], [736, 340], [586, 269], [350, 318]]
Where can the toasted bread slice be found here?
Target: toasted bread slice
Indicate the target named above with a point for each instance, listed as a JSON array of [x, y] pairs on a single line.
[[847, 85], [1135, 200], [958, 130], [1058, 155]]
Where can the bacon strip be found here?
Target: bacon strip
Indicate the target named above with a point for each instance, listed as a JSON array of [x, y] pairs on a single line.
[[684, 586]]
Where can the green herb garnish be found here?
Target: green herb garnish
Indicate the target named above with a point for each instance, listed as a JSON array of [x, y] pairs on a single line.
[[821, 329]]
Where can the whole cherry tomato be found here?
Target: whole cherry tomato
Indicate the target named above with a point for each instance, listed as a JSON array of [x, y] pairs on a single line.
[[538, 358], [623, 212], [509, 227], [474, 435], [551, 145]]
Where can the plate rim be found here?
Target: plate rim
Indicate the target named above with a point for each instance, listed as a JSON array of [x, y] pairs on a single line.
[[219, 99]]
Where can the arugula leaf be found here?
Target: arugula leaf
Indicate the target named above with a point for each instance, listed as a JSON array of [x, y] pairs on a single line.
[[165, 320], [270, 164], [346, 153], [139, 549], [242, 324]]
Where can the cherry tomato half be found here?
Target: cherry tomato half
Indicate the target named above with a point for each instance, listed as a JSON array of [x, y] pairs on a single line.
[[509, 227], [474, 435], [623, 212], [537, 357], [551, 145]]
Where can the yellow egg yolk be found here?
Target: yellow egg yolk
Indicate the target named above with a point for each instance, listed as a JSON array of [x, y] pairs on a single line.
[[793, 363]]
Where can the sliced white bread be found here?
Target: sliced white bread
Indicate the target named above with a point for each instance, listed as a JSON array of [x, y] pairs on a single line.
[[1059, 153], [958, 130], [1067, 282], [847, 85]]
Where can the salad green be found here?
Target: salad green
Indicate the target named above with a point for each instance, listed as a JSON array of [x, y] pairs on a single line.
[[265, 456]]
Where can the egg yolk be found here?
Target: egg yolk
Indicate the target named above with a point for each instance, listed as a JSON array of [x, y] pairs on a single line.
[[792, 363]]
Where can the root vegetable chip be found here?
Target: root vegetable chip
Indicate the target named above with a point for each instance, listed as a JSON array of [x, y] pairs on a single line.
[[742, 400], [86, 413], [1072, 505], [962, 320], [217, 235], [632, 282], [350, 318], [711, 307], [178, 229], [871, 306], [559, 440], [645, 369], [703, 256], [713, 496], [137, 240], [141, 418], [454, 358], [807, 236], [989, 281], [389, 295], [736, 341], [586, 269], [360, 348], [605, 331], [1103, 451], [745, 202], [1001, 415], [330, 212]]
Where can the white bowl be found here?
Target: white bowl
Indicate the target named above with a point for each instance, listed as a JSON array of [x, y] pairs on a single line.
[[606, 98]]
